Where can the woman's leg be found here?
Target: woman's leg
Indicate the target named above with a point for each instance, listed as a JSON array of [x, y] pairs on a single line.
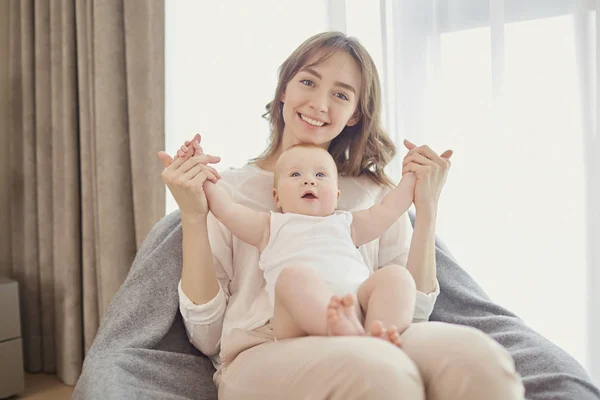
[[318, 368], [305, 305], [388, 296], [458, 362]]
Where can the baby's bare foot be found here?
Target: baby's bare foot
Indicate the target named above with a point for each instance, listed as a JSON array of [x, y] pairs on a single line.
[[341, 317], [390, 334]]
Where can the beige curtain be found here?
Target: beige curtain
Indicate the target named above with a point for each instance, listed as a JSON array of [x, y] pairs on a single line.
[[81, 120]]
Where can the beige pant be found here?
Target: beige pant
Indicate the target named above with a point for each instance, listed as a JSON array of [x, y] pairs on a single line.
[[438, 361]]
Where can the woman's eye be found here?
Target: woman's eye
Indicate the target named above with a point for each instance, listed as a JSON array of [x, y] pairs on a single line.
[[321, 175], [306, 82], [294, 174], [341, 96]]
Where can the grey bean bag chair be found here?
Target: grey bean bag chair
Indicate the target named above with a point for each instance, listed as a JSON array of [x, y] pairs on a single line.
[[141, 350]]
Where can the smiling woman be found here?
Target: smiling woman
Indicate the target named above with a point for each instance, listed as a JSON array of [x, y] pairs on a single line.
[[313, 99], [341, 90]]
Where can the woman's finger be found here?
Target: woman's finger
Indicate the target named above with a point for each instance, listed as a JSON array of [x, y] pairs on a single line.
[[198, 159], [192, 172], [203, 176], [429, 153], [447, 154], [417, 158], [408, 144], [165, 158], [412, 167], [213, 170]]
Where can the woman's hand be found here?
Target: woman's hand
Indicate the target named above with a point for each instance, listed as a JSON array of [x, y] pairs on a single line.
[[430, 170], [185, 176]]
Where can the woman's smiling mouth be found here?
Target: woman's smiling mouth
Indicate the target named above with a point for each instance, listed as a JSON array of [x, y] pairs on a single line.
[[312, 122]]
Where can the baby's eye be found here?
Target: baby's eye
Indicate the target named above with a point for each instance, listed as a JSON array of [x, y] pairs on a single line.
[[341, 96], [321, 175], [307, 82], [294, 174]]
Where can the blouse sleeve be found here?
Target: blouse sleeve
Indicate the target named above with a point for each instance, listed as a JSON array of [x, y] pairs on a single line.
[[204, 322]]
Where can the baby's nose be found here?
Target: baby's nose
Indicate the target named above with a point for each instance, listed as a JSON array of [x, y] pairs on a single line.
[[309, 182]]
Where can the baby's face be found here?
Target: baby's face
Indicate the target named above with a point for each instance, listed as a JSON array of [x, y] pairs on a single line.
[[307, 182]]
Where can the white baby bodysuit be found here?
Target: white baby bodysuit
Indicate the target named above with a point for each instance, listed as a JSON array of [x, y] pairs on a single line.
[[321, 243]]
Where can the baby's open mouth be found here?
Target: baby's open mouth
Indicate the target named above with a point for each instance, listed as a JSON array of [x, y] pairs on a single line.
[[309, 196]]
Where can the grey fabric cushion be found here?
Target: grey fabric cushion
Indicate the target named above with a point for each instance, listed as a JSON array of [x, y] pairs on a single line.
[[141, 350]]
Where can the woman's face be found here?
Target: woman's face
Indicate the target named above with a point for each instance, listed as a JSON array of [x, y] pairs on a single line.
[[319, 101]]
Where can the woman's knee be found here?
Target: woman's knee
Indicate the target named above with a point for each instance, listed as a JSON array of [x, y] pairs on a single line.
[[488, 365], [375, 369], [475, 349]]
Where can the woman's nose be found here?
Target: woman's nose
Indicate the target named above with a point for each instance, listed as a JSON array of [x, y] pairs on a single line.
[[319, 102]]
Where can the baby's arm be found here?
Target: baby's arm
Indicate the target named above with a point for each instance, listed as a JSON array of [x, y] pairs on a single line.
[[369, 224], [248, 225]]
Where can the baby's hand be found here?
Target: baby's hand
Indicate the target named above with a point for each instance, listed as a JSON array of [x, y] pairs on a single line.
[[186, 175], [192, 146]]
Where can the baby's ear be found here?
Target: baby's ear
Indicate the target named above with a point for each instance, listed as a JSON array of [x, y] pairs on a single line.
[[339, 193], [276, 197]]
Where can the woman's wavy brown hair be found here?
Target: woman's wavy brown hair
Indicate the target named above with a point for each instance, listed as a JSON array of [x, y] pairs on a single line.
[[362, 149]]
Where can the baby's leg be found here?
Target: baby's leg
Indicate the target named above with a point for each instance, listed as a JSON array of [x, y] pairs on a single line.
[[302, 303], [388, 298]]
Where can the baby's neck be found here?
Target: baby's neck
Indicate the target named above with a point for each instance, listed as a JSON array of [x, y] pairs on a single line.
[[299, 213]]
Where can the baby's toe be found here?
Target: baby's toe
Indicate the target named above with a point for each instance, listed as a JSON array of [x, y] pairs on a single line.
[[393, 335], [334, 302], [376, 329], [332, 313], [348, 300]]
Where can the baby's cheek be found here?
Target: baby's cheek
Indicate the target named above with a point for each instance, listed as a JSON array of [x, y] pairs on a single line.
[[331, 197]]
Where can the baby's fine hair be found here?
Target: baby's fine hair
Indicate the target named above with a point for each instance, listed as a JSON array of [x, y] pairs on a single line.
[[362, 149], [298, 145]]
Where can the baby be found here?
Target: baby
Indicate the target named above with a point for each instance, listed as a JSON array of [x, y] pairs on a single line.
[[315, 276]]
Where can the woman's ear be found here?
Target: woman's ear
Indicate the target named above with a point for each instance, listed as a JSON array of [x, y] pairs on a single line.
[[354, 119]]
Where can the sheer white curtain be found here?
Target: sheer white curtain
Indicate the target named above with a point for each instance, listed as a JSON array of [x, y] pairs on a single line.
[[511, 87]]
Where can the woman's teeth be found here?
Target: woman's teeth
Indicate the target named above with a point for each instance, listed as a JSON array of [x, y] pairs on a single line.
[[311, 121]]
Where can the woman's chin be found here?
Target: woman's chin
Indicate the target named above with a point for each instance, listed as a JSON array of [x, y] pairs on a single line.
[[314, 139]]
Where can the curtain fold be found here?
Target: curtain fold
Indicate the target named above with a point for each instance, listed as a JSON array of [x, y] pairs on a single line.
[[83, 86]]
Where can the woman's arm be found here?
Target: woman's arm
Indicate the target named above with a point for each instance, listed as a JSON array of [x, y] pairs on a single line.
[[198, 278], [421, 256], [431, 171]]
